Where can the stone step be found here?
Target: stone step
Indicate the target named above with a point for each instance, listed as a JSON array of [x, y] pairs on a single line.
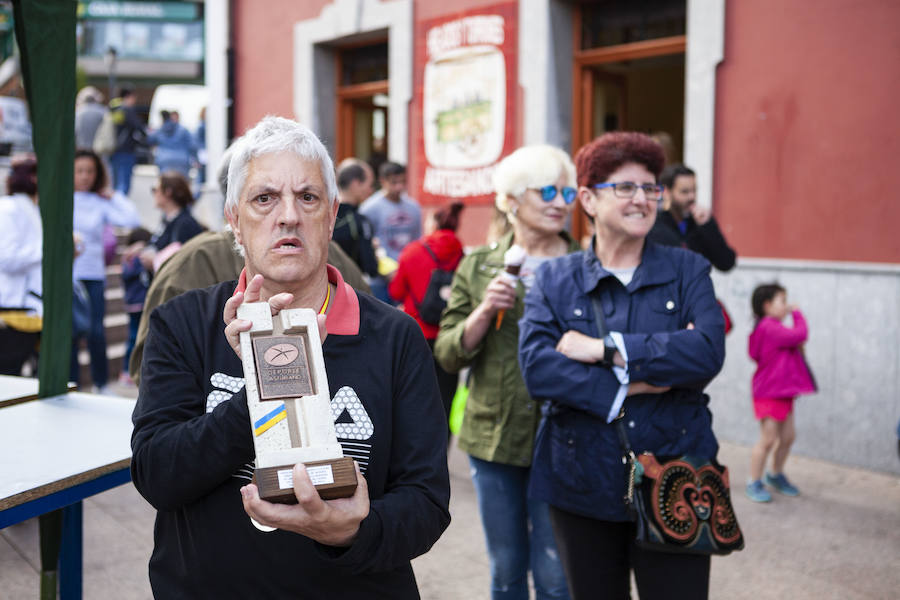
[[115, 300], [114, 355], [116, 326], [113, 351]]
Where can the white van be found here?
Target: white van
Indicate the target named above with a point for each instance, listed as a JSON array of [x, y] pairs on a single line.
[[185, 99], [15, 126]]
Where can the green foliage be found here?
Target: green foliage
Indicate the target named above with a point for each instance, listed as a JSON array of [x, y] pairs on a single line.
[[81, 79]]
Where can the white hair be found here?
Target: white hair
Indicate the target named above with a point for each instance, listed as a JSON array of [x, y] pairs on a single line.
[[530, 167], [88, 94], [272, 135]]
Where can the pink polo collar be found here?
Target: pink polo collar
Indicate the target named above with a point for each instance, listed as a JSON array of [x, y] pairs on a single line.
[[343, 318]]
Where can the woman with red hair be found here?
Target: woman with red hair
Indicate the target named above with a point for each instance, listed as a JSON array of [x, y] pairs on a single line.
[[644, 360]]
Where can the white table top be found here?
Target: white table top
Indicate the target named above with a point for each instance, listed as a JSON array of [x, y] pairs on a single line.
[[57, 442], [13, 388]]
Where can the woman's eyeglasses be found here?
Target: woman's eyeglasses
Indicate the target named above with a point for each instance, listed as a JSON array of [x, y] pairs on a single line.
[[549, 192], [627, 189]]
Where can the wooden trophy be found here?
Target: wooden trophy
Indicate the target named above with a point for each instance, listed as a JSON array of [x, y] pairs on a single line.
[[290, 405]]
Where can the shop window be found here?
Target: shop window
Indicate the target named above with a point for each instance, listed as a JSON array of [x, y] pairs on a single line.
[[154, 31], [614, 22], [364, 64], [629, 73], [362, 115]]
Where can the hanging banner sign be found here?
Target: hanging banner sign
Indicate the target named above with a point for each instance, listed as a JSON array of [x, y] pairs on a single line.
[[154, 11], [467, 97]]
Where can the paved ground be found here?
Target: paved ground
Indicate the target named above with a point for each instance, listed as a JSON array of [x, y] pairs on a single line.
[[839, 540]]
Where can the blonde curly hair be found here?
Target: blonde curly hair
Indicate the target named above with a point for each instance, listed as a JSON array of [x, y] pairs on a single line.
[[530, 167]]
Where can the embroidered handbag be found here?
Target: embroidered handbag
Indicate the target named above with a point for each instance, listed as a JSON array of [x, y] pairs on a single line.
[[680, 504]]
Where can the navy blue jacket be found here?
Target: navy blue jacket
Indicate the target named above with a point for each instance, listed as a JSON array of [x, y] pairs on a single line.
[[181, 228], [136, 281], [578, 459]]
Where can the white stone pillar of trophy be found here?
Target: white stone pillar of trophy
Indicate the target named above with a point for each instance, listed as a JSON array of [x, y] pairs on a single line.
[[290, 405]]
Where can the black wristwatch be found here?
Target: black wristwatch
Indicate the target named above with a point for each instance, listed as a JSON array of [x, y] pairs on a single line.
[[609, 351]]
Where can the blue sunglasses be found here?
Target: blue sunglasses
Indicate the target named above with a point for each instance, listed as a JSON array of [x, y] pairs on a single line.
[[548, 193]]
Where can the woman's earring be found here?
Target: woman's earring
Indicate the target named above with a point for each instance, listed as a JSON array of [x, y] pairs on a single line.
[[514, 210]]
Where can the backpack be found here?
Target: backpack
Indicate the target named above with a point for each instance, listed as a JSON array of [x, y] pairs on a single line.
[[81, 310], [437, 292], [105, 138]]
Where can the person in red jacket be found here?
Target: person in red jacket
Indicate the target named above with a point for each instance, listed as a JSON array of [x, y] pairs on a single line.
[[440, 248]]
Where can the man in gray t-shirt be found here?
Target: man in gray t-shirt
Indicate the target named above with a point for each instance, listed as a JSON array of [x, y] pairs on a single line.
[[396, 217], [88, 116]]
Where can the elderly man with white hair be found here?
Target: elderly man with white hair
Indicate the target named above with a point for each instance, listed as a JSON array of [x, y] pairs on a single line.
[[192, 443], [89, 111]]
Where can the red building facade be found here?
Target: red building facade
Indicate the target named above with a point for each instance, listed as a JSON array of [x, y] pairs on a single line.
[[786, 110], [804, 130], [807, 130]]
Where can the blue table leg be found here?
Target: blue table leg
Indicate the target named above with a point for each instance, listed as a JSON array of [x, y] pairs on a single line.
[[70, 555], [50, 526]]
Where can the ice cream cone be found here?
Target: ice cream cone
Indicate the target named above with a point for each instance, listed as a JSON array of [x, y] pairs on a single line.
[[512, 264]]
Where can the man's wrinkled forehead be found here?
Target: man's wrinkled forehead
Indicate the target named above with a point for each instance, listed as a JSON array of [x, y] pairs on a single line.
[[282, 171]]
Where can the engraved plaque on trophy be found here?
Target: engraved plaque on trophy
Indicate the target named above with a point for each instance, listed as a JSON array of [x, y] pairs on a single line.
[[282, 368], [290, 406]]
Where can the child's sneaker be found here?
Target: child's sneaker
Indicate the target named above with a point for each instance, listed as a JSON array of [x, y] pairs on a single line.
[[781, 484], [757, 492]]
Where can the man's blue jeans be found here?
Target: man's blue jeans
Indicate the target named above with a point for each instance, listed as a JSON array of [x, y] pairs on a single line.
[[122, 164], [513, 548], [96, 337]]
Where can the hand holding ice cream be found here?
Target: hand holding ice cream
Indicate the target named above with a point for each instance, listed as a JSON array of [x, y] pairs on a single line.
[[512, 264]]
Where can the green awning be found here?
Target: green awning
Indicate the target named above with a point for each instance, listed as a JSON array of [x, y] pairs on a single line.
[[45, 32]]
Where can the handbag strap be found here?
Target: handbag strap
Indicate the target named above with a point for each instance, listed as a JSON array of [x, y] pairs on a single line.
[[602, 331], [431, 253], [628, 457]]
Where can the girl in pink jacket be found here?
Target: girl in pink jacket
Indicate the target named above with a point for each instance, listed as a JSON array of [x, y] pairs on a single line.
[[781, 375]]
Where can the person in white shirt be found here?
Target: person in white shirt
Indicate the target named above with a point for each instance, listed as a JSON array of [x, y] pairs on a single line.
[[20, 268], [94, 208]]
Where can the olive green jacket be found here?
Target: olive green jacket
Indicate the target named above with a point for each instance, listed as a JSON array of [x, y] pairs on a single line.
[[500, 418]]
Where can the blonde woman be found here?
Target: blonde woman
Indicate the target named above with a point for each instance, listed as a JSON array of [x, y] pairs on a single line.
[[535, 188]]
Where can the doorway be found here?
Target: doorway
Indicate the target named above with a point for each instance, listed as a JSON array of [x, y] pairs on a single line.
[[645, 95], [629, 67], [362, 97]]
